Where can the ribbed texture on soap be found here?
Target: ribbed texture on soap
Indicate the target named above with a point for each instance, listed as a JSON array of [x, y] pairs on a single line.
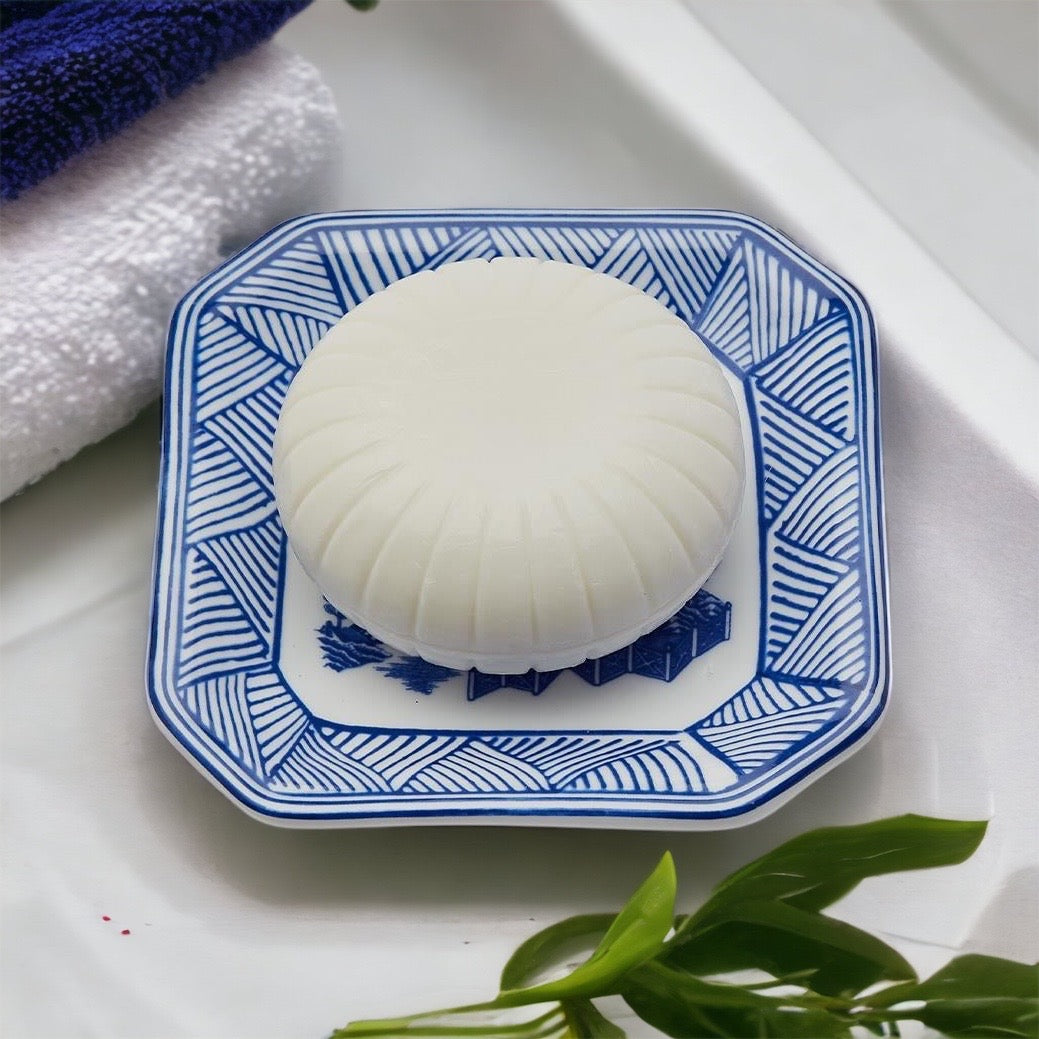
[[508, 465]]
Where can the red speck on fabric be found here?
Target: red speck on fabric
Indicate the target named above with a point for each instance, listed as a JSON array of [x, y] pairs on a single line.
[[125, 931], [106, 919]]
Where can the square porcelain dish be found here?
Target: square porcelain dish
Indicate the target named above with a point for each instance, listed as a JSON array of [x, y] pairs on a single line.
[[771, 675]]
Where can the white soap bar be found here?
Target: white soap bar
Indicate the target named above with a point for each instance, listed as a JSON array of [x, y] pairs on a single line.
[[508, 465]]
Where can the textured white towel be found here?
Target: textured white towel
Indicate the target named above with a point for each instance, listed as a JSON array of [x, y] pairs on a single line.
[[93, 260]]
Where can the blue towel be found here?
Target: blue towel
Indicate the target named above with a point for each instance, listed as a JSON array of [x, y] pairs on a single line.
[[75, 73]]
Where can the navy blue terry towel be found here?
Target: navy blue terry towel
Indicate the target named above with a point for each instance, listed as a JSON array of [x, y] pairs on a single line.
[[82, 70]]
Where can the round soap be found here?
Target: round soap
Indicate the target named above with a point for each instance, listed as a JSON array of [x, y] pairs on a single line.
[[509, 464]]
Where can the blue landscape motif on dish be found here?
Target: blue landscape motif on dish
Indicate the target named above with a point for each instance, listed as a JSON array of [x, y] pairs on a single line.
[[800, 343], [663, 653]]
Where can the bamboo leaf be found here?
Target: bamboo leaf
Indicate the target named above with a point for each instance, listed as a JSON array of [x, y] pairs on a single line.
[[636, 935], [586, 1022], [832, 956], [815, 869], [973, 996], [549, 947], [682, 1005]]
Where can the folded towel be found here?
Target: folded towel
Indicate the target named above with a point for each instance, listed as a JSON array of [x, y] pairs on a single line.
[[94, 258], [12, 11], [75, 73]]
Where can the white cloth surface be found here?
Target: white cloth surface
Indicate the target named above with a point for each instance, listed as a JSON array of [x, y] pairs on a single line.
[[241, 929], [94, 258]]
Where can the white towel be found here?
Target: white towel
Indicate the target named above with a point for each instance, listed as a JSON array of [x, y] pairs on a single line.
[[93, 259]]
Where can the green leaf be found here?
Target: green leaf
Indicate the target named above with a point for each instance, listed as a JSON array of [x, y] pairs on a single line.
[[549, 947], [767, 916], [783, 940], [362, 5], [636, 935], [550, 1025], [586, 1022], [814, 870], [681, 1005], [572, 1019], [973, 996]]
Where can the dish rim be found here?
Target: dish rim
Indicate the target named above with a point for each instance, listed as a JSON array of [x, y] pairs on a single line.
[[633, 810]]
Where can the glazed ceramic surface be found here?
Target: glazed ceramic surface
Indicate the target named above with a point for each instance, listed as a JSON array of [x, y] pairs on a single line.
[[773, 673]]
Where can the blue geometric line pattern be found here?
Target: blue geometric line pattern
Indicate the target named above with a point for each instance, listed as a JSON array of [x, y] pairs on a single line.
[[798, 581], [568, 245], [246, 428], [229, 367], [329, 759], [246, 561], [668, 766], [220, 706], [279, 719], [767, 718], [792, 446], [815, 375], [688, 263], [297, 280], [830, 644], [362, 262], [825, 513], [398, 759], [797, 337], [475, 766], [286, 334], [313, 764], [759, 304], [223, 496], [217, 636], [570, 763], [626, 260]]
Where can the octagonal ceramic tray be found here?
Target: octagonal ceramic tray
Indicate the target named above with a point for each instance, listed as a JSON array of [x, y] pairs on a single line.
[[771, 675]]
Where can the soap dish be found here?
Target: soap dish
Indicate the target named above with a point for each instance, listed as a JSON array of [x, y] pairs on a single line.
[[772, 674]]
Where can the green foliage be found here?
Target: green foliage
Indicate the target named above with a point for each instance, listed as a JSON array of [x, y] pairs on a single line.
[[831, 957], [636, 935], [822, 976], [974, 996], [814, 870], [552, 945], [684, 1005]]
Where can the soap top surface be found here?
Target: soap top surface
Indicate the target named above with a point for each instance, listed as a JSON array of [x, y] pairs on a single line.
[[509, 464]]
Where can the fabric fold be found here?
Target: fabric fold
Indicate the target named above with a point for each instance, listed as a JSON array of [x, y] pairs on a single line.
[[76, 73], [95, 257]]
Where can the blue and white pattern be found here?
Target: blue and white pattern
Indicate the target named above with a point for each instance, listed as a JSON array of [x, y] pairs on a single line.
[[664, 653], [797, 337]]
